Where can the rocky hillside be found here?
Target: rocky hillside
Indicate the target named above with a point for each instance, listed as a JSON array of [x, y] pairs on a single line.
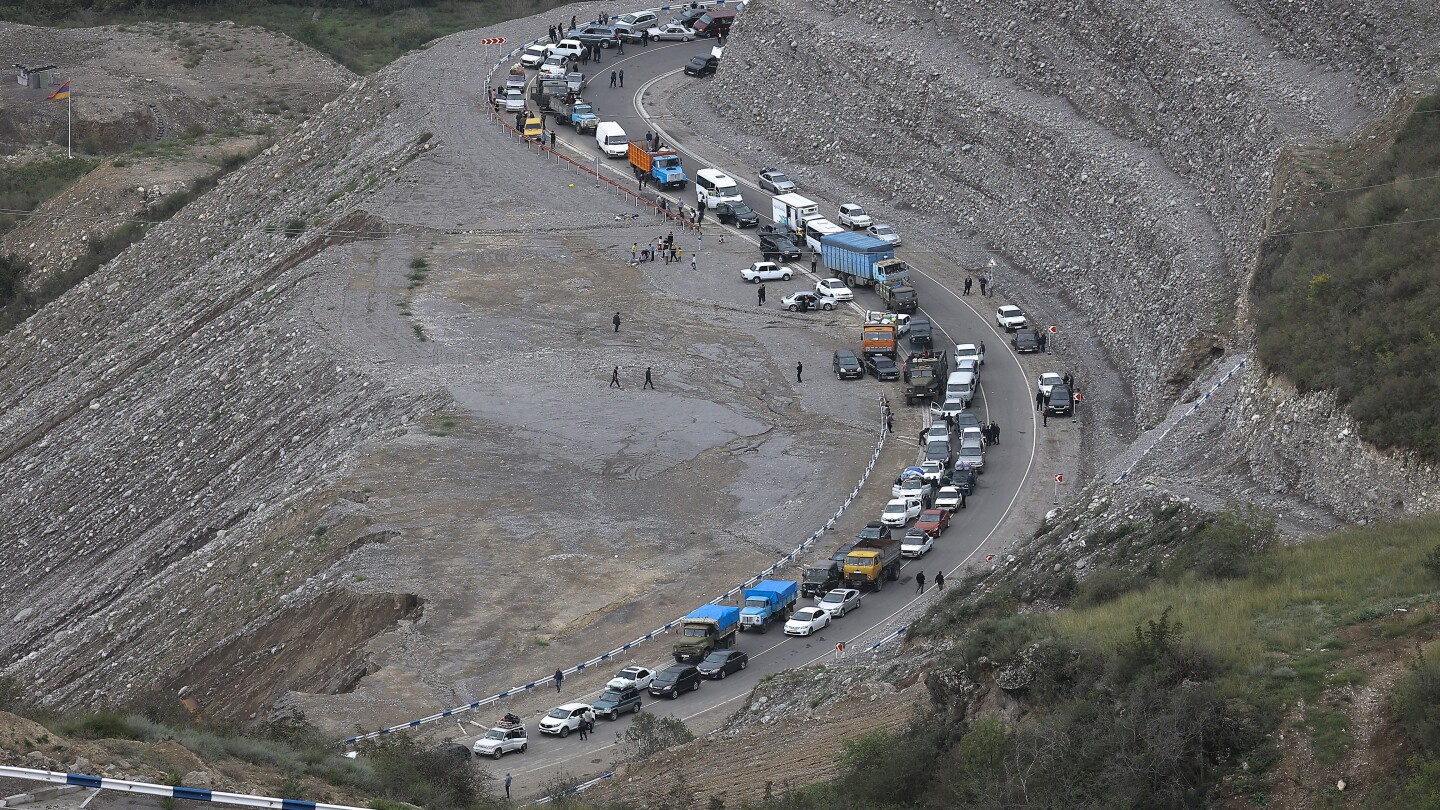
[[1114, 161]]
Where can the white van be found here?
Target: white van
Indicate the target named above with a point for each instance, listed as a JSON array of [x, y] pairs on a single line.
[[960, 385], [611, 139], [713, 187]]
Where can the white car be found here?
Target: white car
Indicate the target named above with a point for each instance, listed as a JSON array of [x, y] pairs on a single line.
[[564, 719], [813, 301], [949, 407], [554, 68], [968, 364], [915, 543], [807, 621], [533, 55], [900, 319], [950, 499], [933, 469], [834, 288], [911, 488], [765, 271], [638, 677], [501, 740], [853, 216], [514, 101], [969, 351], [900, 511], [568, 48], [675, 32], [839, 601], [1010, 318], [884, 232], [1047, 381]]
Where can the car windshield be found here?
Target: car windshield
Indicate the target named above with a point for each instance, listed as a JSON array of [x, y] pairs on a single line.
[[495, 734], [717, 657], [894, 507], [559, 714], [969, 452], [884, 230], [857, 211], [965, 419], [611, 695], [696, 632], [666, 677], [779, 179], [807, 614]]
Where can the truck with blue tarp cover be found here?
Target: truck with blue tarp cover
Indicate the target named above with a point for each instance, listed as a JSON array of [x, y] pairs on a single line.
[[862, 261], [704, 629], [770, 600]]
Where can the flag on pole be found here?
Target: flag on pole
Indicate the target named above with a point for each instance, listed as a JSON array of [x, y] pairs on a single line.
[[61, 94]]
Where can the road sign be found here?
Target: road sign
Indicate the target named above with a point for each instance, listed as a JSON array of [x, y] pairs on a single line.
[[493, 41], [1059, 479], [989, 558], [1054, 329], [1077, 396]]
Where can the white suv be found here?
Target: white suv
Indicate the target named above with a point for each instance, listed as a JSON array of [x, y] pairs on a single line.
[[1010, 318], [630, 26], [564, 719], [853, 216]]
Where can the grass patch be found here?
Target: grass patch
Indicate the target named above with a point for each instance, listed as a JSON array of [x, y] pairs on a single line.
[[1309, 590], [363, 37], [1373, 283], [24, 187]]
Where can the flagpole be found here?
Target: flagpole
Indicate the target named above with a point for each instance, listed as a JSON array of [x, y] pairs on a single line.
[[69, 152]]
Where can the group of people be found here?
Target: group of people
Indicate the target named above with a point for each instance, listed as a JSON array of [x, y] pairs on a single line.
[[987, 289]]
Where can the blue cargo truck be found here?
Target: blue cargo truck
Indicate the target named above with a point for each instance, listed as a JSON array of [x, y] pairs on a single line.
[[769, 601], [706, 628], [863, 260]]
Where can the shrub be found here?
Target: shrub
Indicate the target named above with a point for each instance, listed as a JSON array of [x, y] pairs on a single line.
[[650, 734], [1431, 563], [1104, 585], [1417, 701]]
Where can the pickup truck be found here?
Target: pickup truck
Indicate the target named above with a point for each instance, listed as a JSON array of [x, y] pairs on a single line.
[[661, 164], [768, 601], [872, 562], [706, 628]]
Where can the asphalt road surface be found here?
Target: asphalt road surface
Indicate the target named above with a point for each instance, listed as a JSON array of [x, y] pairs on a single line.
[[1006, 397]]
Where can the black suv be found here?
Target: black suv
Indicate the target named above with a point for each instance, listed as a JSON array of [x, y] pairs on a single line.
[[671, 681], [614, 702], [777, 245], [690, 16], [1024, 342], [738, 214], [847, 365], [874, 530], [882, 367], [702, 65], [921, 333], [1061, 401]]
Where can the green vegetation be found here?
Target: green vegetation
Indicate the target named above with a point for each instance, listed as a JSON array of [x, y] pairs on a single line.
[[1352, 308], [19, 300], [24, 187], [650, 734], [363, 36]]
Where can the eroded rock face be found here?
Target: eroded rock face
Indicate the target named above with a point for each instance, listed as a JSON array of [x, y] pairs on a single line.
[[1116, 160]]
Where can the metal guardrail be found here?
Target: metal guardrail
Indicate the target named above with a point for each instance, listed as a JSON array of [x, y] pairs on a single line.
[[659, 631], [1125, 475], [168, 791]]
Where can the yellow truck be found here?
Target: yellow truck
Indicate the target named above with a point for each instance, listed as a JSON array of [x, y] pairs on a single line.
[[873, 560]]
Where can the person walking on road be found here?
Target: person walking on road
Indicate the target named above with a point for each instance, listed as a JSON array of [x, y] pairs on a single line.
[[1039, 400], [1044, 417], [760, 296], [622, 73], [648, 382], [693, 262], [614, 383], [889, 422], [616, 320], [584, 729], [920, 582], [799, 369], [995, 432], [612, 78], [940, 580], [508, 778], [645, 38], [560, 676]]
